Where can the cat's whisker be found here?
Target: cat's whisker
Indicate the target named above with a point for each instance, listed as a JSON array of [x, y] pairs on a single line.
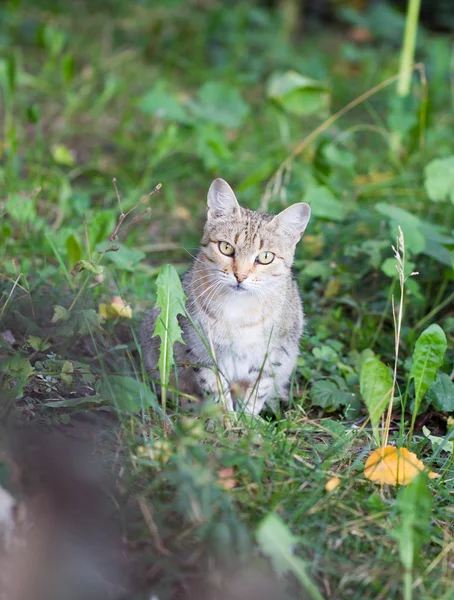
[[207, 281], [207, 300], [204, 292]]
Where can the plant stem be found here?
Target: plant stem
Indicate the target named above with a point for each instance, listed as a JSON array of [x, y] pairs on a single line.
[[408, 49], [408, 585]]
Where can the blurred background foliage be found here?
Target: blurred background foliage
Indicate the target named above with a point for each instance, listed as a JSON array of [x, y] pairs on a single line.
[[180, 92]]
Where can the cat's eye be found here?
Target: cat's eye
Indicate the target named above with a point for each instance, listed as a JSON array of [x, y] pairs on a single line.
[[226, 248], [265, 257]]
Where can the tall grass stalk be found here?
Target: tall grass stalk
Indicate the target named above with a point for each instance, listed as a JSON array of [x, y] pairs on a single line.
[[408, 49], [399, 254]]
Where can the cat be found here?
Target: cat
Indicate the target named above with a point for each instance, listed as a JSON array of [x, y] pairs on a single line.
[[244, 311]]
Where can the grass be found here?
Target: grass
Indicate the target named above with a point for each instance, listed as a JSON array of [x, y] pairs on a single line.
[[138, 93]]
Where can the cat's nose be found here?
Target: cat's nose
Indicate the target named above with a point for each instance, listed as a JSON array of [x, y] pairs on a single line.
[[240, 277]]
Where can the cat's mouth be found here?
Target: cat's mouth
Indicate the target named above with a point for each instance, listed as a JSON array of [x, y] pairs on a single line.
[[238, 288]]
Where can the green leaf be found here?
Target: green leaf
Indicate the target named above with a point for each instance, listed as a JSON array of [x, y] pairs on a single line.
[[220, 103], [428, 357], [170, 299], [324, 204], [87, 265], [439, 442], [212, 146], [298, 94], [277, 542], [414, 504], [66, 370], [162, 105], [88, 321], [63, 155], [126, 393], [60, 314], [20, 208], [38, 344], [15, 366], [389, 267], [439, 179], [441, 393], [326, 393], [68, 67], [410, 224], [74, 250], [17, 370], [376, 385], [73, 402], [124, 258], [338, 157]]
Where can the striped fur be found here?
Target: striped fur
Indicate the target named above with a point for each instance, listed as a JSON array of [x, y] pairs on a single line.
[[245, 319]]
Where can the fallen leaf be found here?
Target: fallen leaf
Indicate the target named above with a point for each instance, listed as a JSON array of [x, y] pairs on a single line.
[[394, 466], [116, 308], [332, 484]]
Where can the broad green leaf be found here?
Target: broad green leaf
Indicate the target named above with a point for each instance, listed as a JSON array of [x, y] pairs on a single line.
[[163, 105], [60, 314], [20, 208], [428, 357], [326, 393], [74, 250], [211, 146], [441, 393], [439, 442], [389, 267], [277, 542], [88, 321], [439, 253], [439, 179], [376, 385], [170, 299], [16, 371], [66, 370], [126, 393], [220, 103], [339, 157], [298, 94], [317, 269], [410, 224], [414, 504], [324, 204], [37, 343], [124, 258]]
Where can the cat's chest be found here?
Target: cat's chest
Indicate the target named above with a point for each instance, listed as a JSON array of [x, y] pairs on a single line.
[[243, 323]]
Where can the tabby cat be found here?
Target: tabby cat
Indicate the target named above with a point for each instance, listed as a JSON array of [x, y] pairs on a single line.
[[245, 315]]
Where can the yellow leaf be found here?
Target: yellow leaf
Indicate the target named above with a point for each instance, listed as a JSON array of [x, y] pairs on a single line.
[[332, 484], [394, 466], [116, 308]]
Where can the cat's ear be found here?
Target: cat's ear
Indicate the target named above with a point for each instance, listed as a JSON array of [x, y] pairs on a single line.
[[294, 219], [222, 202]]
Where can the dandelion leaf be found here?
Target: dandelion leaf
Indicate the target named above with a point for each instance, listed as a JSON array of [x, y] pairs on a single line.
[[170, 299]]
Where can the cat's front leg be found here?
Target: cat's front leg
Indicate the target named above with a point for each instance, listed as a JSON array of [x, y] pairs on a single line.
[[215, 386], [259, 393], [271, 383]]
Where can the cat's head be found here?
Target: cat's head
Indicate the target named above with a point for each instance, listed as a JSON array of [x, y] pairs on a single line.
[[249, 251]]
